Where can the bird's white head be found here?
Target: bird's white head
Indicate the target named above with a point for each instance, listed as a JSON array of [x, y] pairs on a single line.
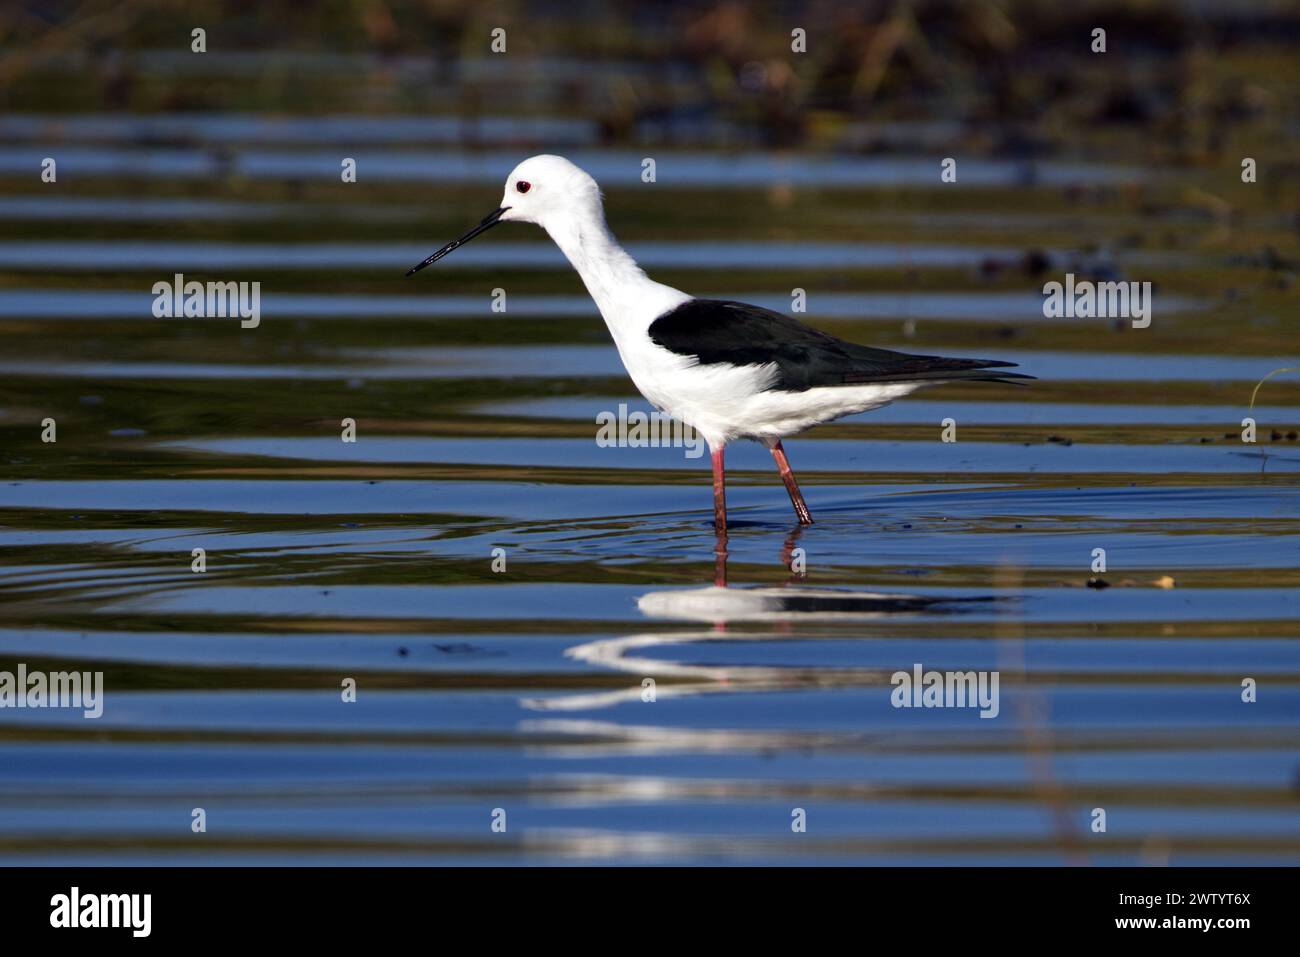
[[543, 187], [543, 190]]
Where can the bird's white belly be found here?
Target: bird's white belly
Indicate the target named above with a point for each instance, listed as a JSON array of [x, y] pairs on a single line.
[[725, 402], [778, 414]]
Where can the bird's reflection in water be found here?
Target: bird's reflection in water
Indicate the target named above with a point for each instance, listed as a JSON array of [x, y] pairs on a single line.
[[781, 607]]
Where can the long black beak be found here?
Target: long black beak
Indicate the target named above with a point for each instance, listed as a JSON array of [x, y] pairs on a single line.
[[490, 220]]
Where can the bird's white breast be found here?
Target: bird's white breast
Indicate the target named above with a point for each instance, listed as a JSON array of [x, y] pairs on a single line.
[[725, 402]]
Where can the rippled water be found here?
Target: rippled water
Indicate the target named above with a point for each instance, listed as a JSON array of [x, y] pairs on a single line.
[[523, 689]]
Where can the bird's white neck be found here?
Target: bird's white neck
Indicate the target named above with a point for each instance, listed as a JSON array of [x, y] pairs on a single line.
[[628, 299]]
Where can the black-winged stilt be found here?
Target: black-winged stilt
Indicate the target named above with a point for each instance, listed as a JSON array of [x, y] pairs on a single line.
[[728, 369]]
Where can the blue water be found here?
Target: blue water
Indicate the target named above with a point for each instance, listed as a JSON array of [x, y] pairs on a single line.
[[523, 687]]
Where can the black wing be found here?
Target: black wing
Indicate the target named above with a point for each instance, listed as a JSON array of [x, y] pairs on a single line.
[[717, 330]]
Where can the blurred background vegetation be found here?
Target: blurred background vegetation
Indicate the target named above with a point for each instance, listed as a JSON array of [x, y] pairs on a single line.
[[1181, 81]]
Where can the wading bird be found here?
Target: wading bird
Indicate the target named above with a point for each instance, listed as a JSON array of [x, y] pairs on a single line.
[[728, 369]]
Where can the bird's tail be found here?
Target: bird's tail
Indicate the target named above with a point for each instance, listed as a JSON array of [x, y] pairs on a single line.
[[941, 369]]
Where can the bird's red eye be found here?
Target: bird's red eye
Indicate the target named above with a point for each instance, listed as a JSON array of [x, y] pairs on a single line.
[[523, 186]]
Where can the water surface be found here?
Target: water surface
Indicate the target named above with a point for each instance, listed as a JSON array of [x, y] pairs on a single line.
[[523, 688]]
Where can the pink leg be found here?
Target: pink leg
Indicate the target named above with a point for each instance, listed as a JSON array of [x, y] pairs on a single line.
[[720, 560], [719, 491], [719, 519], [791, 486]]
